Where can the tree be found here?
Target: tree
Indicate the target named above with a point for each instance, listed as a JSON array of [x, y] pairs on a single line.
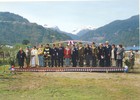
[[25, 42]]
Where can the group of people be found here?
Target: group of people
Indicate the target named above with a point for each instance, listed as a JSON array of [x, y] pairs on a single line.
[[74, 55]]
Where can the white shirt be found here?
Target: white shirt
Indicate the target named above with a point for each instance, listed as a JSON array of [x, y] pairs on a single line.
[[112, 54], [34, 52]]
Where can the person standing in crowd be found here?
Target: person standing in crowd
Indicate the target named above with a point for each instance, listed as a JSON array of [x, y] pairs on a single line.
[[28, 57], [20, 57], [34, 57], [94, 55], [120, 51], [54, 56], [74, 56], [131, 57], [41, 56], [67, 55], [107, 54], [60, 55], [88, 55], [113, 55], [101, 55], [81, 55], [47, 56]]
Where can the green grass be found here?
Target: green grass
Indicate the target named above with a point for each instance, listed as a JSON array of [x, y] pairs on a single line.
[[69, 86]]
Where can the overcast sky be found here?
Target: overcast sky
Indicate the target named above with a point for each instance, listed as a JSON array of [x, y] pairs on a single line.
[[70, 15]]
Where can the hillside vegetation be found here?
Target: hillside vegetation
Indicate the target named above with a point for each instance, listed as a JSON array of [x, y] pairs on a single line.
[[124, 32], [15, 29]]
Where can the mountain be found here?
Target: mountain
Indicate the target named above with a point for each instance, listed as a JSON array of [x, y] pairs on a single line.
[[82, 30], [10, 17], [124, 32], [56, 28], [15, 29], [73, 36]]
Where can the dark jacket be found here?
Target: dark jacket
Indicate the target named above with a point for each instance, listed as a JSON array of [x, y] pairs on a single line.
[[81, 52], [107, 51], [74, 53], [101, 53], [54, 52], [88, 51], [21, 56], [47, 52], [94, 51], [61, 52]]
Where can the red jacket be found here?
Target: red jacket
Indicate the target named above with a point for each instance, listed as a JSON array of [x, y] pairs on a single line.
[[67, 53]]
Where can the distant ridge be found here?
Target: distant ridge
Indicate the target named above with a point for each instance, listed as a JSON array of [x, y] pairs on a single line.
[[124, 32], [15, 29]]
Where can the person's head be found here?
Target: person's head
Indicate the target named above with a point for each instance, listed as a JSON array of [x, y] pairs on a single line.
[[20, 49], [100, 45], [60, 44], [73, 45], [87, 45], [106, 43], [93, 43], [67, 46], [80, 45], [53, 45], [47, 45], [34, 47], [113, 45], [131, 50], [117, 46], [120, 45], [41, 46], [27, 47]]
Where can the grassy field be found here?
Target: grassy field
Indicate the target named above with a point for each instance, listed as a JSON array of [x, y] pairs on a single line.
[[69, 86]]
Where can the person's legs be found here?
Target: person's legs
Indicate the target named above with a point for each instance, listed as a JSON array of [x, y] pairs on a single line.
[[117, 62], [33, 62], [52, 62], [93, 61], [66, 62], [87, 60], [113, 62], [56, 61], [22, 63], [121, 64], [81, 61], [102, 63], [74, 62], [107, 62], [39, 58], [42, 60], [61, 61]]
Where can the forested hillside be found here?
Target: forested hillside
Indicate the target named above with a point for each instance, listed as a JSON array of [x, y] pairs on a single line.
[[15, 29], [125, 32]]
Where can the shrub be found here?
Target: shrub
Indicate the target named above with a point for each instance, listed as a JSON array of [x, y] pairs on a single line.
[[127, 63]]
